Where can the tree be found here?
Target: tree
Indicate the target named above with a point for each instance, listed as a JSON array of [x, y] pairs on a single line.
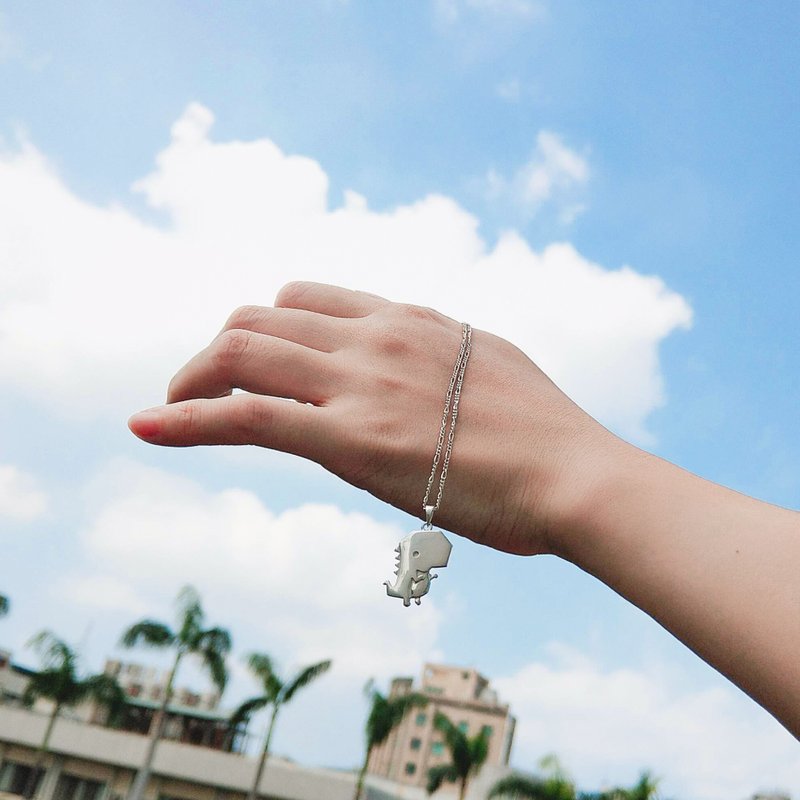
[[5, 605], [211, 645], [645, 789], [276, 693], [552, 784], [467, 756], [385, 714], [59, 682]]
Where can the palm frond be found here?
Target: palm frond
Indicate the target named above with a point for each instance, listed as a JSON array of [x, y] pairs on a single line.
[[190, 616], [246, 710], [303, 678], [517, 787], [5, 605], [387, 713], [214, 662], [261, 665], [55, 653], [217, 639], [438, 775], [106, 692], [478, 747], [148, 632], [457, 743]]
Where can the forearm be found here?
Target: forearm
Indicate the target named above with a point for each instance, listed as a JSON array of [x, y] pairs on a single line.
[[719, 570]]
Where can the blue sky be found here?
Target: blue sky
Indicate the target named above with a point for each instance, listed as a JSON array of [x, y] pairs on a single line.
[[659, 137]]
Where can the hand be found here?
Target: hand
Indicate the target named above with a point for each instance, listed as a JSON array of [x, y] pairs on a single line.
[[358, 383]]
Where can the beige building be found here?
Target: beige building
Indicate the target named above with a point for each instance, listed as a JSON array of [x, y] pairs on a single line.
[[462, 695], [88, 761]]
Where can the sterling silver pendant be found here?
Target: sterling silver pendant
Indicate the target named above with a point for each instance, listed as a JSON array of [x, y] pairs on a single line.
[[416, 555]]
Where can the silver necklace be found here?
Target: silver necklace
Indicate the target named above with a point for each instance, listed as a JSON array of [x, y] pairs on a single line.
[[422, 550]]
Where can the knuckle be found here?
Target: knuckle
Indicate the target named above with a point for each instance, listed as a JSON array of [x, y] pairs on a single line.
[[189, 418], [291, 293], [252, 419], [245, 317], [230, 348], [417, 314]]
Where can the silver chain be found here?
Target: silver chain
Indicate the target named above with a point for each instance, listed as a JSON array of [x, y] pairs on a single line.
[[451, 412]]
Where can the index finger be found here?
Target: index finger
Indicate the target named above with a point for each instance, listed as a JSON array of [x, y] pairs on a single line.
[[334, 301]]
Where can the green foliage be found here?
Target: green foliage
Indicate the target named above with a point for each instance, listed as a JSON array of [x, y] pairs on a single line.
[[467, 754], [276, 692], [5, 605], [59, 681], [555, 784], [386, 713], [646, 788], [211, 645]]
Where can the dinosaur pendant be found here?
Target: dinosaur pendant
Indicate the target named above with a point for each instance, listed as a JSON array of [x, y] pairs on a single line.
[[416, 555]]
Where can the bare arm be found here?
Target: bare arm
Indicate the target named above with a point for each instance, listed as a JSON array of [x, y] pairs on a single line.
[[530, 473]]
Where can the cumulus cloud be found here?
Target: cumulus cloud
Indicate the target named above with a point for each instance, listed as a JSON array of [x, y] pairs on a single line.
[[609, 724], [554, 172], [311, 574], [101, 311], [21, 498]]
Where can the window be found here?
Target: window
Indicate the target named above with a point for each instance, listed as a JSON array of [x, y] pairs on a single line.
[[411, 768], [416, 744], [487, 731], [70, 787], [421, 719], [17, 778], [437, 748]]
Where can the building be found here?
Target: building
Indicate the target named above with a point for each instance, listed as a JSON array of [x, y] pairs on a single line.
[[89, 761], [462, 695], [192, 718]]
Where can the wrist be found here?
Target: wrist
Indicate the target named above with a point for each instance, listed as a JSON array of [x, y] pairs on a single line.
[[593, 476]]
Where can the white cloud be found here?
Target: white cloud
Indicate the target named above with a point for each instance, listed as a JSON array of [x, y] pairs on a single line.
[[509, 90], [21, 498], [608, 725], [553, 173], [101, 592], [312, 575], [119, 303]]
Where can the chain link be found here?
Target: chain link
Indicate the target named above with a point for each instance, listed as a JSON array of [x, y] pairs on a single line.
[[450, 412]]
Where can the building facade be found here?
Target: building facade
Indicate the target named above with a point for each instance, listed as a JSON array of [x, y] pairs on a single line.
[[462, 695]]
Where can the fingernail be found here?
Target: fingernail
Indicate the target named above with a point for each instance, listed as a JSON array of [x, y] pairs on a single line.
[[145, 424]]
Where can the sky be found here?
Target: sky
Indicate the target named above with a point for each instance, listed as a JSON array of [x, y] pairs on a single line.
[[610, 186]]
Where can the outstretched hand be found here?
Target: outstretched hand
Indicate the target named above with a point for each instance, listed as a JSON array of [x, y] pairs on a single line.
[[357, 383]]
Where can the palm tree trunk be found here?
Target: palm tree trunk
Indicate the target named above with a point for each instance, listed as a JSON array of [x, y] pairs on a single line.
[[142, 778], [253, 795], [462, 792], [361, 774], [42, 752]]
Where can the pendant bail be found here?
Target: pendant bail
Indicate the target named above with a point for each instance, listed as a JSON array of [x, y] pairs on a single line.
[[429, 516]]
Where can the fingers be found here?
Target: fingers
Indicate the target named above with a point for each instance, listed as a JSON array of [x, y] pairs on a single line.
[[318, 331], [332, 300], [238, 419], [240, 359]]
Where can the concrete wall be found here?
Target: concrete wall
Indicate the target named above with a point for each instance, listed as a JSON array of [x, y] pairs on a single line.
[[181, 770]]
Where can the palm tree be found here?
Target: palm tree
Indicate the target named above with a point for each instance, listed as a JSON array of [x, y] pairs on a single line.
[[467, 756], [5, 604], [189, 638], [59, 682], [552, 784], [276, 694], [385, 714], [645, 789]]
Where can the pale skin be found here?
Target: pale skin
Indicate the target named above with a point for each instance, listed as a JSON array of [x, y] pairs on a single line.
[[530, 472]]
